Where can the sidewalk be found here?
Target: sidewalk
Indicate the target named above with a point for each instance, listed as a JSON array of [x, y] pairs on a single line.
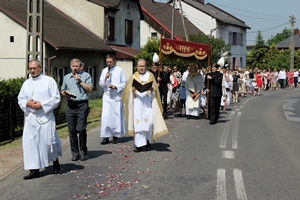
[[11, 159]]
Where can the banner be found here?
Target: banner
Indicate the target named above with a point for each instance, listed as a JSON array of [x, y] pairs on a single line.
[[184, 49]]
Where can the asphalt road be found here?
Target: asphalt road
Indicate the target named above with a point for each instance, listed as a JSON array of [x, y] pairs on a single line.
[[252, 153]]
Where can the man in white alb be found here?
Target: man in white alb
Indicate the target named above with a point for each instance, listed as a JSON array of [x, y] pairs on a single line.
[[38, 97], [113, 81]]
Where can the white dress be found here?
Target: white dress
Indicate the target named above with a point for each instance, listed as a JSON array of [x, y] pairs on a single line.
[[40, 140], [112, 120]]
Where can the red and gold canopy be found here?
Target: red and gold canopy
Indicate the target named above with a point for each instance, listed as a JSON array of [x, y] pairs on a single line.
[[184, 49]]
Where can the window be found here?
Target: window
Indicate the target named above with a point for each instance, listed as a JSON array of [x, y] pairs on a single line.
[[235, 38], [154, 35], [59, 74], [241, 62], [233, 62], [128, 31], [92, 72], [111, 28], [12, 39]]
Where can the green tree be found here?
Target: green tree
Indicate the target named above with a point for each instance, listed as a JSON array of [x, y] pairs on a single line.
[[271, 56], [283, 59], [256, 57], [147, 51], [286, 33], [219, 48], [151, 47], [297, 59]]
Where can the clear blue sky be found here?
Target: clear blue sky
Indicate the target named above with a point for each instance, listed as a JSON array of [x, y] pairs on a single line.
[[268, 16]]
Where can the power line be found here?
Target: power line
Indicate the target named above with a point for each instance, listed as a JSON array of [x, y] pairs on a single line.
[[247, 11], [267, 29]]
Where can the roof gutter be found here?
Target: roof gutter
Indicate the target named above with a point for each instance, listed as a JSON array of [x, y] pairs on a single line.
[[48, 65]]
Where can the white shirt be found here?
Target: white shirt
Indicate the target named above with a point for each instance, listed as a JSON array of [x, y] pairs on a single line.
[[185, 74], [282, 74], [296, 74]]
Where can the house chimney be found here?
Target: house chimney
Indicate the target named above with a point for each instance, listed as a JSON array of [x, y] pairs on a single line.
[[296, 32]]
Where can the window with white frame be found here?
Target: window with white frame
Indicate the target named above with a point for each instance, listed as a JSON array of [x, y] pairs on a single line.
[[92, 71], [59, 73], [153, 35]]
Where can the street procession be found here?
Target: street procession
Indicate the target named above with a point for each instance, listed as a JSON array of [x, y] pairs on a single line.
[[149, 99]]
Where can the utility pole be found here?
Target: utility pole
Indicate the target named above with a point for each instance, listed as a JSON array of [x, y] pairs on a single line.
[[173, 19], [292, 47], [183, 23], [35, 29]]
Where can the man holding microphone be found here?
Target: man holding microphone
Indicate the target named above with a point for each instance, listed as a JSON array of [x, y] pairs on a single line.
[[113, 81], [75, 87]]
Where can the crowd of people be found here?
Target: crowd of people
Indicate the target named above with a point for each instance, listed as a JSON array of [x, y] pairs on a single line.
[[236, 84], [142, 103]]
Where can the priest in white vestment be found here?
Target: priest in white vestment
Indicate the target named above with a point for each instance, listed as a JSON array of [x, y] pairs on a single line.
[[143, 110], [38, 97], [194, 86], [113, 81]]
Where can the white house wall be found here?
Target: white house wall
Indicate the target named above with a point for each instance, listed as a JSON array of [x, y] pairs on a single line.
[[88, 14], [237, 51], [209, 25], [146, 31], [201, 20], [12, 54], [127, 66]]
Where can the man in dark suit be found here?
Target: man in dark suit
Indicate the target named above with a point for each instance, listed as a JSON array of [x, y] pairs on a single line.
[[214, 82]]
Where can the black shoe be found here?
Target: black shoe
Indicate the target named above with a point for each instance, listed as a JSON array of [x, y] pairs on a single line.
[[195, 117], [32, 174], [75, 158], [212, 123], [56, 166], [137, 149], [148, 146], [83, 157], [115, 140], [105, 141], [189, 117]]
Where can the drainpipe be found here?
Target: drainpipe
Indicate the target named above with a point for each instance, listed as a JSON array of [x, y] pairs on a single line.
[[48, 63]]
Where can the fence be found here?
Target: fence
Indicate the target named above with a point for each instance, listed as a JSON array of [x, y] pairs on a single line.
[[12, 117]]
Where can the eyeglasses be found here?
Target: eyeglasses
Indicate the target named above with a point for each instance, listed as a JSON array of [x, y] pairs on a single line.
[[33, 68]]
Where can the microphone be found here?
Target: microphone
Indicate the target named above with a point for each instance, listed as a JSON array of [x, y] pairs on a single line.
[[75, 72], [108, 71]]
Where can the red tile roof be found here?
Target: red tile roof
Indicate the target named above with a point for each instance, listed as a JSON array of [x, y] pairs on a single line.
[[60, 31]]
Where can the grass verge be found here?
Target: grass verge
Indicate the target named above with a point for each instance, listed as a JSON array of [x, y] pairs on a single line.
[[95, 106]]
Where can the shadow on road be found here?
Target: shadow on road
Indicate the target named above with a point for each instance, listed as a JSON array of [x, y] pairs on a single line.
[[125, 139], [64, 168], [160, 147], [96, 154]]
